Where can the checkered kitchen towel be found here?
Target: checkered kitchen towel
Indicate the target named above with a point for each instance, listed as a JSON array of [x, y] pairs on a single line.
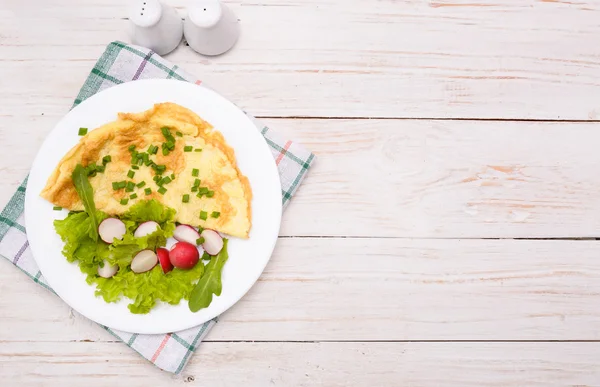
[[123, 63]]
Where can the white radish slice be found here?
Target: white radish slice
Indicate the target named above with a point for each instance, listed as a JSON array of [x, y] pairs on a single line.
[[107, 270], [213, 243], [111, 228], [145, 229], [144, 261], [185, 233]]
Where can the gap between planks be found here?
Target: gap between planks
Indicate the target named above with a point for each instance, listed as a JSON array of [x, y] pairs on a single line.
[[566, 238], [496, 119]]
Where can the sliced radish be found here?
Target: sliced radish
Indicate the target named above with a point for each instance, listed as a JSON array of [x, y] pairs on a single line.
[[184, 255], [107, 270], [146, 228], [164, 260], [213, 243], [111, 228], [185, 233], [143, 261]]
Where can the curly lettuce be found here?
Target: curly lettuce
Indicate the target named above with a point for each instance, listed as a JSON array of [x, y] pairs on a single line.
[[143, 289]]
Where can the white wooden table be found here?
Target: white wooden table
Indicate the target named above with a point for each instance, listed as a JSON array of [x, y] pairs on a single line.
[[445, 236]]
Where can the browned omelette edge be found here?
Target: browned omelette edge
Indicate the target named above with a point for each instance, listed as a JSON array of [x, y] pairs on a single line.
[[205, 130]]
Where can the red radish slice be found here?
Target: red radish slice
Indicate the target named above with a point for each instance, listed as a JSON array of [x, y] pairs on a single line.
[[164, 260], [107, 270], [213, 243], [145, 228], [111, 228], [144, 261], [185, 233], [184, 255]]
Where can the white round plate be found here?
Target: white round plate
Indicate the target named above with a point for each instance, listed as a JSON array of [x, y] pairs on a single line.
[[247, 258]]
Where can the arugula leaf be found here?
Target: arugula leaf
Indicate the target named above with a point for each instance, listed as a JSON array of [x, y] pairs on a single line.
[[210, 282], [86, 194]]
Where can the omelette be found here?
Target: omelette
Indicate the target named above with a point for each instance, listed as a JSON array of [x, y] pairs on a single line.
[[167, 153]]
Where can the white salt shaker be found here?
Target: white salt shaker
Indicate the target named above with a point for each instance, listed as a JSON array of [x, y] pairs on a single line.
[[210, 27], [154, 25]]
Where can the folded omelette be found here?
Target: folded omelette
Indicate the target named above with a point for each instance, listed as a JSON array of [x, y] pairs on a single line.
[[167, 153]]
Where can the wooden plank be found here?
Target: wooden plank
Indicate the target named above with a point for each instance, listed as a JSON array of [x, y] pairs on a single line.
[[446, 58], [446, 179], [413, 178], [308, 364], [377, 289]]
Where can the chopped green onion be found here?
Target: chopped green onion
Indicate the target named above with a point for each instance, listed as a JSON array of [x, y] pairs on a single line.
[[210, 194], [196, 182], [147, 191], [159, 169], [179, 134], [91, 169], [203, 215], [148, 162], [205, 256], [152, 149], [83, 131], [200, 241], [165, 180], [165, 151], [124, 201], [202, 190], [215, 214], [140, 184], [170, 145], [134, 195], [130, 186], [162, 190], [106, 159], [195, 172], [131, 148], [100, 168], [117, 185], [185, 198], [130, 174], [200, 229], [198, 150], [57, 208], [156, 178], [194, 189], [166, 132], [172, 176], [188, 148], [135, 167]]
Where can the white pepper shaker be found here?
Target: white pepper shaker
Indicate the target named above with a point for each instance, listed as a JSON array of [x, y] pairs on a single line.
[[210, 27], [154, 25]]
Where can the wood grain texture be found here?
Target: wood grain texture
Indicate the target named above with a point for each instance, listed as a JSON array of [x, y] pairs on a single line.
[[443, 58], [415, 178], [348, 291], [376, 289], [309, 364]]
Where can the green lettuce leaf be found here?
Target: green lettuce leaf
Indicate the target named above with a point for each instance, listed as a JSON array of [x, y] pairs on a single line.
[[74, 230], [144, 289]]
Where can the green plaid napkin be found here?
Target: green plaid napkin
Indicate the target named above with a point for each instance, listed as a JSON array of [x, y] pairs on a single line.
[[123, 63]]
